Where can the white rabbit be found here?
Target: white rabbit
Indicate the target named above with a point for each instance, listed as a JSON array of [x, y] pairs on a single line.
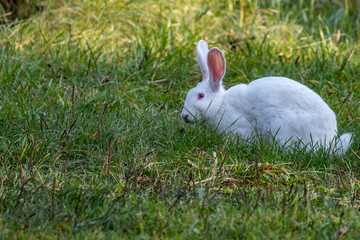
[[267, 107]]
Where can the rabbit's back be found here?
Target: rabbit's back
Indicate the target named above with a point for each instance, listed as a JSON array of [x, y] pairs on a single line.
[[288, 110]]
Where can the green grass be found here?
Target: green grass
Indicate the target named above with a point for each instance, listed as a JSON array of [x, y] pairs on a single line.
[[92, 144]]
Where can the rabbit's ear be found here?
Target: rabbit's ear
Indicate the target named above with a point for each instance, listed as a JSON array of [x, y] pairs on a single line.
[[201, 55], [217, 66]]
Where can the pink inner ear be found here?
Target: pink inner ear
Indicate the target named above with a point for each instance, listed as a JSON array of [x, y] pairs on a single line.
[[216, 65]]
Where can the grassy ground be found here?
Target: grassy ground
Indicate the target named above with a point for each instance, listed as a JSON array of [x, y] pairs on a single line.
[[92, 144]]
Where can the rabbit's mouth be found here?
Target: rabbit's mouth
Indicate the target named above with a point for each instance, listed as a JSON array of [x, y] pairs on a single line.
[[186, 117]]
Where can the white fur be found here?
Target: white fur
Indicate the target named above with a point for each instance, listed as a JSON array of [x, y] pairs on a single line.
[[267, 107]]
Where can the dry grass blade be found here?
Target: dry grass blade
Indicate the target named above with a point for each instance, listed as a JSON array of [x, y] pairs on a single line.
[[99, 122], [31, 162], [355, 154], [21, 191], [346, 99], [107, 162], [346, 59]]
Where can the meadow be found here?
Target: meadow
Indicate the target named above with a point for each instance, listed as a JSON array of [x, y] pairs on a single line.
[[92, 145]]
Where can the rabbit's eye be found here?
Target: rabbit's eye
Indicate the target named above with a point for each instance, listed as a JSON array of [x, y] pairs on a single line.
[[200, 96]]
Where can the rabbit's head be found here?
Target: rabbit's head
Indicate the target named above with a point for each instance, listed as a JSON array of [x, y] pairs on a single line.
[[203, 101]]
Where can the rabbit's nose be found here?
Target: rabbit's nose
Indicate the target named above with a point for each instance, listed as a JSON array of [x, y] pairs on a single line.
[[185, 117]]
